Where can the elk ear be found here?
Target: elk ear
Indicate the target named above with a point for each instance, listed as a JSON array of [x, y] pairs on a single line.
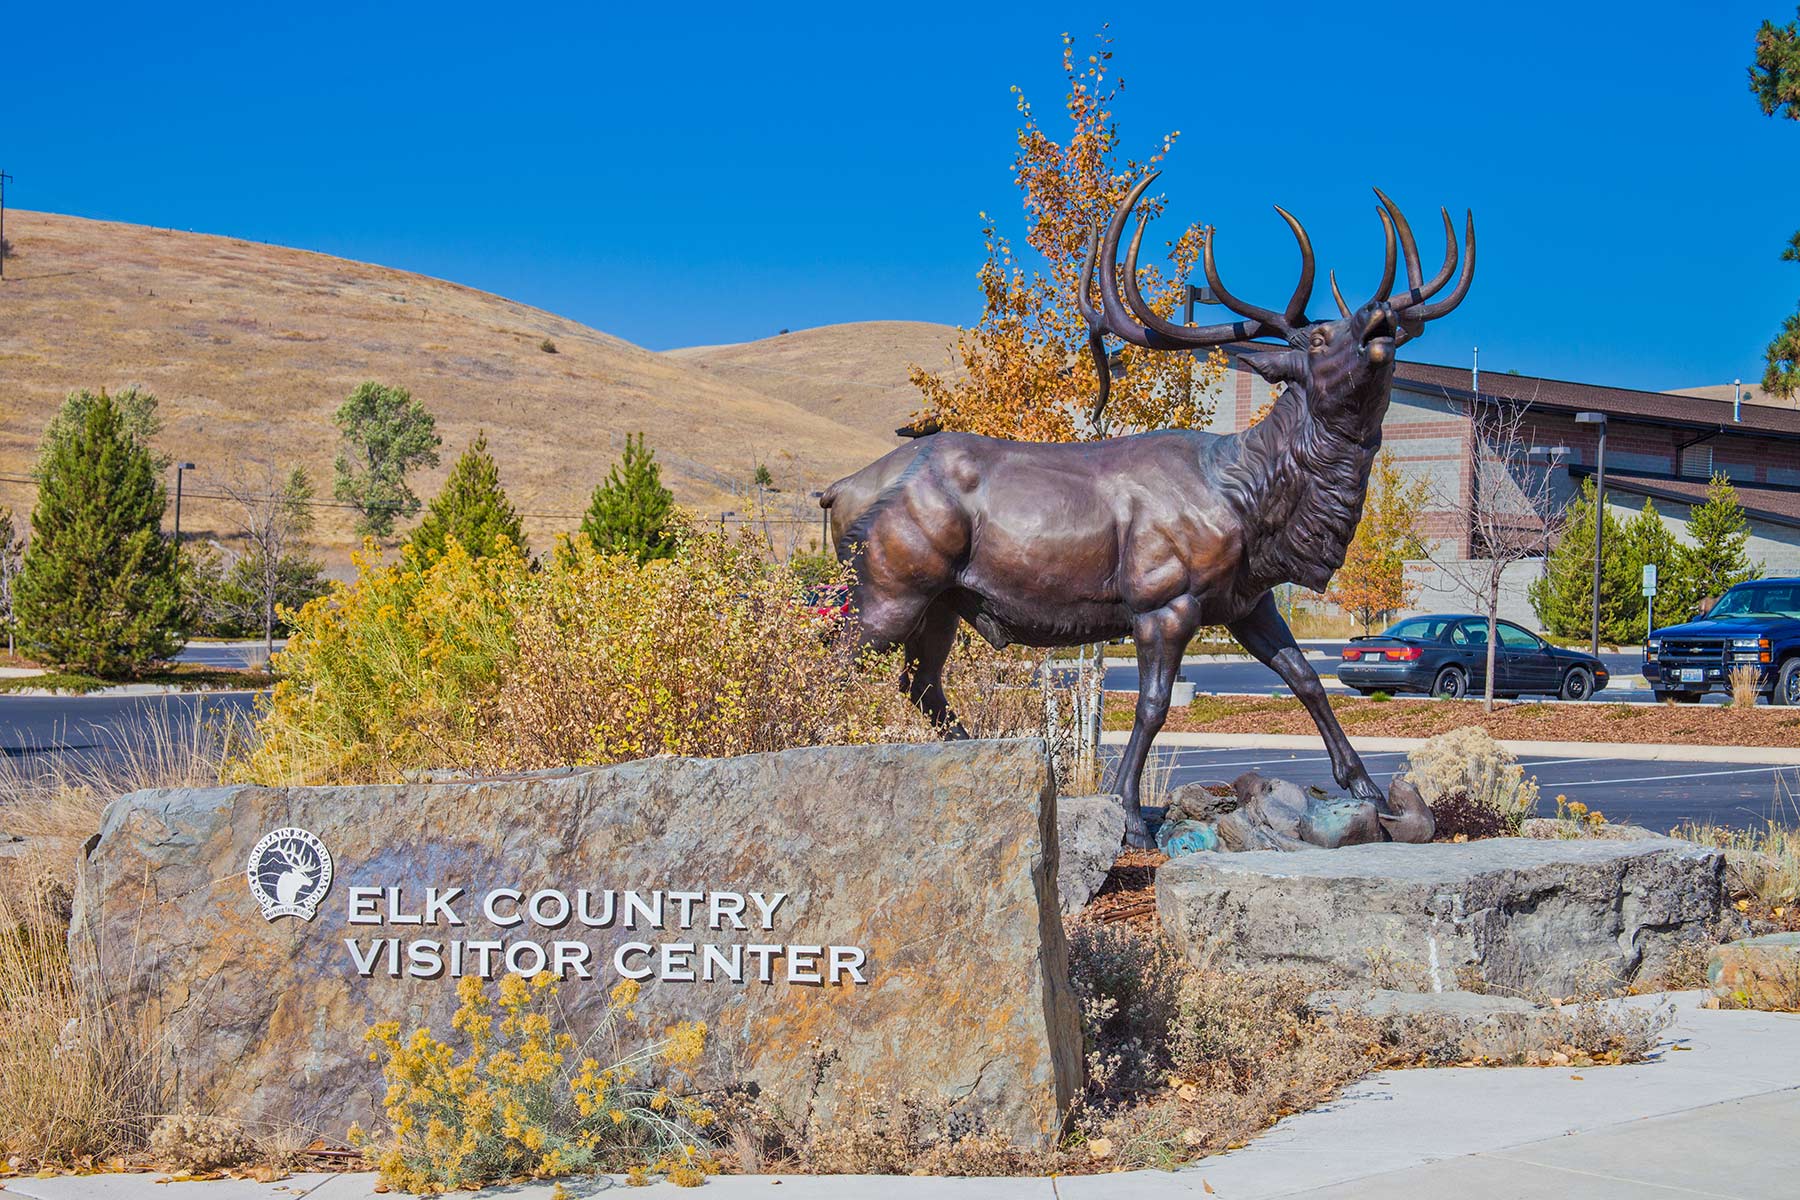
[[1274, 366]]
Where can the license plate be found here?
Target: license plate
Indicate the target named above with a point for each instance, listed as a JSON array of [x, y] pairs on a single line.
[[1692, 675]]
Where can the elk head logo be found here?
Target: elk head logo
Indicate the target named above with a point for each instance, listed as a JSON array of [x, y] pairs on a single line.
[[290, 872]]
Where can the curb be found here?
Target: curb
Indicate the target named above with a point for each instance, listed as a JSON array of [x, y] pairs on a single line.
[[1648, 751]]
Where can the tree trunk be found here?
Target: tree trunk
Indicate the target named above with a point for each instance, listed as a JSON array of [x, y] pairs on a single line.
[[1493, 614], [268, 628]]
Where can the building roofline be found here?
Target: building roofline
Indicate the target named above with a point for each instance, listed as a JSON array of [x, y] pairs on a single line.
[[1638, 485], [1489, 396]]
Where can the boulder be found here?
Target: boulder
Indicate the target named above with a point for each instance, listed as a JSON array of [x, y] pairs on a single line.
[[895, 905], [1515, 915], [1089, 830], [1758, 972]]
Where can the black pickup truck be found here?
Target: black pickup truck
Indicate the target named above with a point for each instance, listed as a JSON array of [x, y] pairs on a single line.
[[1754, 624]]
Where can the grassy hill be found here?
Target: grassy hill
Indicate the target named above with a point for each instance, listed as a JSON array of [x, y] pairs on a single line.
[[252, 347], [854, 374]]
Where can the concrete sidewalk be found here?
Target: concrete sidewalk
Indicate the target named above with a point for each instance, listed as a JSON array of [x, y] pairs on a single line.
[[1645, 751], [1714, 1116]]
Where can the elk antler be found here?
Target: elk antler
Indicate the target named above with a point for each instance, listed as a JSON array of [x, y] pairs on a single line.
[[1411, 309], [1142, 326]]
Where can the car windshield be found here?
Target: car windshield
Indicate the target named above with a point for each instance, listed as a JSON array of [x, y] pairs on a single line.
[[1419, 629], [1759, 600]]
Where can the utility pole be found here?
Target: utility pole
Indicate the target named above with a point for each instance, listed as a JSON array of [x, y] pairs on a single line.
[[179, 468], [3, 178]]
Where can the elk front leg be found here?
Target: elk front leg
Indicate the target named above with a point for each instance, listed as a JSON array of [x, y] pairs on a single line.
[[1161, 638], [923, 678], [1264, 634]]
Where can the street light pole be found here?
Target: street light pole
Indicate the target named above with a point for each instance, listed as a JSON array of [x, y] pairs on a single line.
[[179, 468], [1597, 418]]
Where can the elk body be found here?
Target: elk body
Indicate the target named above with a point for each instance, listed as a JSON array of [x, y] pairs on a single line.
[[1155, 535]]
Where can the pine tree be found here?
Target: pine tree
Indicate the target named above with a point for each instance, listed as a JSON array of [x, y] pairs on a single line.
[[1372, 582], [1563, 597], [98, 591], [630, 512], [1644, 541], [473, 509], [1717, 557]]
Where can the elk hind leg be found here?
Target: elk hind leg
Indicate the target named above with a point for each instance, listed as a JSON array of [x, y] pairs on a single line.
[[1161, 637]]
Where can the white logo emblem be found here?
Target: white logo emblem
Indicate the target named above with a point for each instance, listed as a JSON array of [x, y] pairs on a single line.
[[290, 872]]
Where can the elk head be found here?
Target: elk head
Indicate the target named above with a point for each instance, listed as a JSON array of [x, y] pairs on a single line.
[[1344, 365]]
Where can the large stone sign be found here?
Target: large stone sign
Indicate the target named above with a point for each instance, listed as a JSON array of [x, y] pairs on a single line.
[[895, 904]]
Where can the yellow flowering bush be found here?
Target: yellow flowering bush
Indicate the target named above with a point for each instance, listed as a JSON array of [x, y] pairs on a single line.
[[522, 1098], [498, 664], [393, 672], [707, 653]]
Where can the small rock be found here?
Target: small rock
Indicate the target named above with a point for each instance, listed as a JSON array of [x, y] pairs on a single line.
[[1089, 832], [1175, 838], [1759, 972]]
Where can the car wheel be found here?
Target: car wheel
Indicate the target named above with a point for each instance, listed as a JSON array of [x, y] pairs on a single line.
[[1578, 684], [1452, 684], [1787, 684]]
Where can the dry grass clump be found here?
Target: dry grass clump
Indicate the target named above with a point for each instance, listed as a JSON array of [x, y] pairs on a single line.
[[1767, 860], [74, 1084], [197, 1144], [1470, 762], [1186, 1061], [1745, 682]]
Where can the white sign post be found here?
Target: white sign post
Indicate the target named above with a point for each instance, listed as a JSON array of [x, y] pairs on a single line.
[[1649, 599]]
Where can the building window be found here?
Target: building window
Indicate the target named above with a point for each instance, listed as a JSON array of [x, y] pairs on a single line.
[[1696, 462]]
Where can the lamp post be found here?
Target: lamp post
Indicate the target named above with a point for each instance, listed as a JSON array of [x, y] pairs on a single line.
[[180, 467], [1597, 418]]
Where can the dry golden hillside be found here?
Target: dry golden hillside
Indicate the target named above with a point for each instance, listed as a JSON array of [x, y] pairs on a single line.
[[853, 374], [251, 348]]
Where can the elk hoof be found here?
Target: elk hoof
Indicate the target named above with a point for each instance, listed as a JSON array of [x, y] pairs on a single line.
[[1140, 833], [1410, 819]]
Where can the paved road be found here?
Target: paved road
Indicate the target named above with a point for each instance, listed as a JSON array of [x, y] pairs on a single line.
[[31, 725], [1253, 677], [225, 654], [1658, 795]]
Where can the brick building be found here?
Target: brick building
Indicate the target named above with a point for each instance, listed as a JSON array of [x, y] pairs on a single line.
[[1659, 446]]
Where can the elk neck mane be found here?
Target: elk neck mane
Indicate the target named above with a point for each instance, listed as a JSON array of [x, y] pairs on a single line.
[[1297, 482]]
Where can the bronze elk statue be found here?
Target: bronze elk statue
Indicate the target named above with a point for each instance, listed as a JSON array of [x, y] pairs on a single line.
[[1155, 534]]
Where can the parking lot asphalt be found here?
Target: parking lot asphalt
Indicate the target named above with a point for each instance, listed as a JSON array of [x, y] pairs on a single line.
[[1658, 795], [1250, 676]]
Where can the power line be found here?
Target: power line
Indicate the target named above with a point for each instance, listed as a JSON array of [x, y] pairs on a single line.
[[740, 518]]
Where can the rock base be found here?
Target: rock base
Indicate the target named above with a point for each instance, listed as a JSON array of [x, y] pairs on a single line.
[[1512, 915]]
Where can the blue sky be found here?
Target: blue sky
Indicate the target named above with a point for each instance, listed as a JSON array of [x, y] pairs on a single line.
[[678, 174]]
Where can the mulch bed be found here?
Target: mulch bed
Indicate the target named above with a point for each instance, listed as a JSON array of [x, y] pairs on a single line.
[[1683, 724], [1129, 893]]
